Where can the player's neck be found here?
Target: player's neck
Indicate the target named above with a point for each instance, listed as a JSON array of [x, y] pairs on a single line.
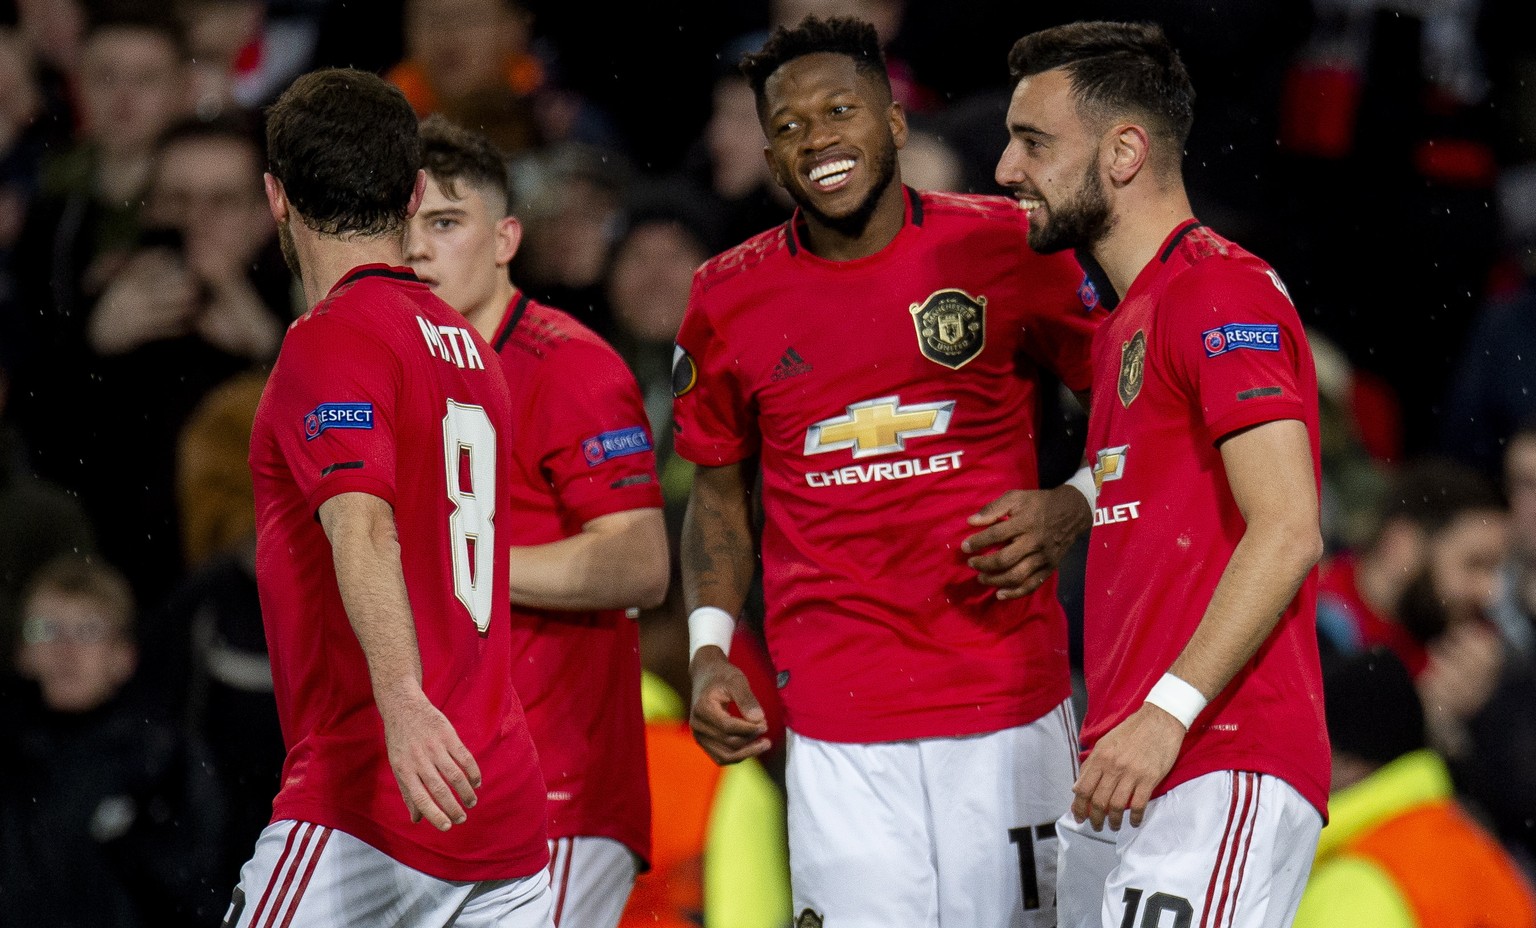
[[832, 244], [1139, 232], [326, 259], [487, 315]]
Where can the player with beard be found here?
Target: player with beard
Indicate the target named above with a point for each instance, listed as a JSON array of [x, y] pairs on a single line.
[[382, 463], [1205, 717], [878, 355]]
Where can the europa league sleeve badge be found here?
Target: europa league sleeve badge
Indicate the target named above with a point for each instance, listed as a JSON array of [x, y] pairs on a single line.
[[951, 327]]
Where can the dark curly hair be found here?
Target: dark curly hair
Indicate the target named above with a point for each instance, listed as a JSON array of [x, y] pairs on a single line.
[[346, 148], [839, 36], [451, 153], [1115, 68]]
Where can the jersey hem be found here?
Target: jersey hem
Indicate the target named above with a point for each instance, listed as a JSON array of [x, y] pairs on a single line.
[[710, 459], [640, 848], [618, 502], [1316, 795], [1257, 414], [840, 728], [449, 868]]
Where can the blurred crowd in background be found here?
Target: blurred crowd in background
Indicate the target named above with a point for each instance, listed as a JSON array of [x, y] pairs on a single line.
[[1381, 154]]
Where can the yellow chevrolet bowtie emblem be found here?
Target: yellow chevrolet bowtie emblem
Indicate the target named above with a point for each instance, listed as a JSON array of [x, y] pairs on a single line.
[[1108, 464], [878, 426]]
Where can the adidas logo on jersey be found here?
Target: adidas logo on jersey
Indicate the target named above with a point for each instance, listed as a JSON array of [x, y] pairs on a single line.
[[790, 365]]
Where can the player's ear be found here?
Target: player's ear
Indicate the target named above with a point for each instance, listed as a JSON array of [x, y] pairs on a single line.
[[1126, 149], [417, 192], [509, 235], [277, 199], [896, 115], [773, 166]]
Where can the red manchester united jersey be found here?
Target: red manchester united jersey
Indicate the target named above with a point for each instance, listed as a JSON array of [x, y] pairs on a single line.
[[383, 389], [583, 450], [889, 397], [1206, 342]]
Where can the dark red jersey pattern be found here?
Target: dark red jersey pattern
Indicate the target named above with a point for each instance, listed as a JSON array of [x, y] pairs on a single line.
[[583, 450], [889, 397], [1206, 342], [383, 389]]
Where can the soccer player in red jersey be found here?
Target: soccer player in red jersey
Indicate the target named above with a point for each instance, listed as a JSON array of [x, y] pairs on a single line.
[[588, 542], [877, 354], [382, 464], [1205, 712]]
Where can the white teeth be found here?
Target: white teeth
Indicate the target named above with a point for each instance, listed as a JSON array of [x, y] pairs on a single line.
[[1026, 203], [831, 172]]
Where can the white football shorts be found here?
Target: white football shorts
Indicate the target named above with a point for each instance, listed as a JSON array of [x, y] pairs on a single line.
[[1230, 849], [590, 880], [930, 833], [308, 876]]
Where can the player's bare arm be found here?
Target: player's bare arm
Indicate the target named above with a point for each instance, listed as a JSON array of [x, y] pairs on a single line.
[[617, 561], [717, 556], [1025, 533], [1269, 469], [434, 770]]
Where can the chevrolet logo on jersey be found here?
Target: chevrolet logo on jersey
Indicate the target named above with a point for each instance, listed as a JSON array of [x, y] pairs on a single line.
[[1109, 464], [878, 426]]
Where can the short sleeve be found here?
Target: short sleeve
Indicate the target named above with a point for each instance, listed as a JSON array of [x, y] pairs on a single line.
[[1058, 330], [1233, 340], [332, 413], [597, 454], [712, 419]]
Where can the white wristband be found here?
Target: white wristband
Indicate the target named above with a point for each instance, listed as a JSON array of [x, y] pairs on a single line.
[[1082, 482], [1178, 699], [710, 625]]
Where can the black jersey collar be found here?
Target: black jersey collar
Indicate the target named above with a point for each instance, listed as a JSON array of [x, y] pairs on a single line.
[[404, 274], [792, 226]]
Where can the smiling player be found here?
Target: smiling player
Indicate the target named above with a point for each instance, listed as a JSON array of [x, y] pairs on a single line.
[[878, 353]]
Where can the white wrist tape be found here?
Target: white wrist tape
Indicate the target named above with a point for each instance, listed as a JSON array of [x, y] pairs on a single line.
[[1082, 482], [710, 625], [1178, 699]]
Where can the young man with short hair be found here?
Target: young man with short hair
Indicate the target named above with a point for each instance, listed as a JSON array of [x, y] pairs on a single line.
[[1205, 714], [382, 464], [589, 541], [877, 354]]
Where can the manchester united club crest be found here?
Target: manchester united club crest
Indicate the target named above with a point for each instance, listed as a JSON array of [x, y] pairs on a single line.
[[808, 919], [1133, 365], [951, 327]]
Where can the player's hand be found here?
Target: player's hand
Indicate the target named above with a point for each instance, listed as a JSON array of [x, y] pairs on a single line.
[[434, 770], [717, 685], [1125, 767], [1024, 534]]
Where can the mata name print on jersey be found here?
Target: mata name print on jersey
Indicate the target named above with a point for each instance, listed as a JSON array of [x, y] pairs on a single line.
[[951, 327]]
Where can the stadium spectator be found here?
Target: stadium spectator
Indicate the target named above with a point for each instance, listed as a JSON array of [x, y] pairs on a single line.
[[1494, 389], [204, 653], [1440, 527], [729, 161], [107, 818], [38, 522], [1500, 771], [570, 200], [1398, 851], [204, 297], [668, 234], [80, 230]]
